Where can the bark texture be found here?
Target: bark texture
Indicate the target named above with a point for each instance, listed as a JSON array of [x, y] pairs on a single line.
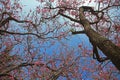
[[105, 45]]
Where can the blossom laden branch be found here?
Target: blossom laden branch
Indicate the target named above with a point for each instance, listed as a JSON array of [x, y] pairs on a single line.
[[72, 19], [17, 33], [11, 68], [10, 18]]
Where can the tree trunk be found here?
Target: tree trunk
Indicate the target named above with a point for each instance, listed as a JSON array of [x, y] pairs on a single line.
[[105, 45]]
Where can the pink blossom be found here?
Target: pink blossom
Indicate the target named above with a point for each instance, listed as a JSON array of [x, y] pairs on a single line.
[[37, 63], [52, 0], [73, 13]]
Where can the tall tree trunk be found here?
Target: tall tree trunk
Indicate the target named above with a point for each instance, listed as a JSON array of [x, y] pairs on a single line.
[[105, 45]]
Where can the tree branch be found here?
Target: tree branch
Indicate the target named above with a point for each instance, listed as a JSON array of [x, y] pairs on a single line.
[[17, 33], [11, 18], [97, 56], [5, 73], [72, 19], [78, 32], [15, 67]]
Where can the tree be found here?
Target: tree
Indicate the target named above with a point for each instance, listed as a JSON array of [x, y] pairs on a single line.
[[23, 57]]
